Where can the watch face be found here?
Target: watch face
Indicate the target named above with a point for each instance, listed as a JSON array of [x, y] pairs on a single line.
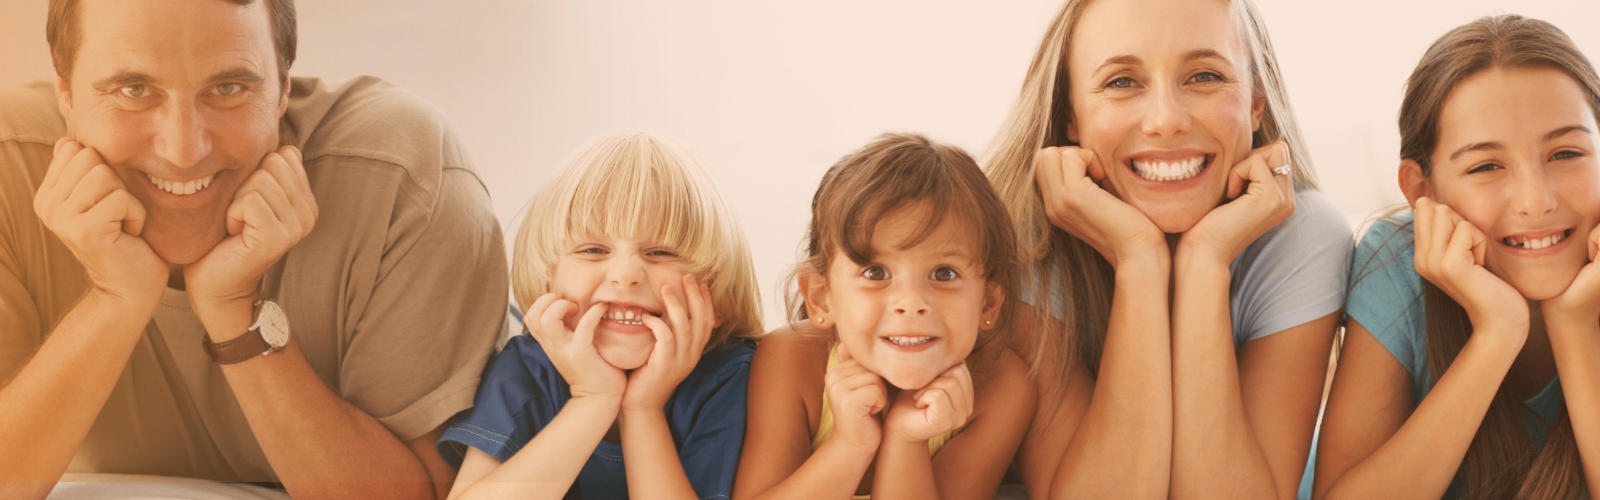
[[274, 325]]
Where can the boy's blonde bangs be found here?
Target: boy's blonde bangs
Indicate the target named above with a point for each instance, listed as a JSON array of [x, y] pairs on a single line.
[[646, 187]]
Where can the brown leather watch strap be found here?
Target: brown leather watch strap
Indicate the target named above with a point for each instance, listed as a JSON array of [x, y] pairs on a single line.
[[239, 349]]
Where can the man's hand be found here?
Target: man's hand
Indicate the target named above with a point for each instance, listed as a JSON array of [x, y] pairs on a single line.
[[270, 214], [89, 208]]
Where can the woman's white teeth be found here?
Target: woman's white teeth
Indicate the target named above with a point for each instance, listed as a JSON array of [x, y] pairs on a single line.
[[181, 188], [626, 315], [1534, 243], [909, 341], [1164, 171]]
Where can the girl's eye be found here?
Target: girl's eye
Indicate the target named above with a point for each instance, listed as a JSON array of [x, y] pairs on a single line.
[[1206, 77], [227, 89], [1565, 155], [135, 91], [944, 273], [1484, 168], [1120, 83], [875, 273]]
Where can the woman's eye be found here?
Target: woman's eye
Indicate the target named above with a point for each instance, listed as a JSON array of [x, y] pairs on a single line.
[[227, 89], [944, 273], [1484, 168], [135, 91], [1206, 77], [875, 273], [1120, 83]]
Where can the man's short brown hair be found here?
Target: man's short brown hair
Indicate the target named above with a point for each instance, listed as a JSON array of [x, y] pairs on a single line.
[[63, 32]]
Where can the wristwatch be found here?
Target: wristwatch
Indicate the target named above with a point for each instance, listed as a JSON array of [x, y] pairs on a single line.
[[268, 334]]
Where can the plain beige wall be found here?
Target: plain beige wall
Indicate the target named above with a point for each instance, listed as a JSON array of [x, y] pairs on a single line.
[[772, 93]]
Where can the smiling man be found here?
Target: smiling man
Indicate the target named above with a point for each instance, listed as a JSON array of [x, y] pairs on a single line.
[[210, 270]]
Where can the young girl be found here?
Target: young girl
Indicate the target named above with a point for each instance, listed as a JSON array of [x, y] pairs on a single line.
[[1471, 362], [641, 292], [895, 380]]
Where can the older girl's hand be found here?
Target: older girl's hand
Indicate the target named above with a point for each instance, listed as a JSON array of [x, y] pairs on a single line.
[[1449, 254], [1068, 179], [1577, 309], [572, 351], [1262, 198]]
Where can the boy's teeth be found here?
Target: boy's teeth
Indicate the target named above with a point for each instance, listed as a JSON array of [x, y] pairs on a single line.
[[627, 316], [181, 188], [909, 341], [1164, 171]]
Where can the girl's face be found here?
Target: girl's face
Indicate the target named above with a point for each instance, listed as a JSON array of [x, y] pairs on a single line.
[[1161, 92], [911, 313], [1516, 158], [627, 275]]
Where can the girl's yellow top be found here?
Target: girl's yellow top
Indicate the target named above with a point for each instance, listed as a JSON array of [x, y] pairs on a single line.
[[825, 426]]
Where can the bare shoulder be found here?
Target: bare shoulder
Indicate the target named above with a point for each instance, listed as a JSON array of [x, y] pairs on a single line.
[[790, 362], [1005, 383]]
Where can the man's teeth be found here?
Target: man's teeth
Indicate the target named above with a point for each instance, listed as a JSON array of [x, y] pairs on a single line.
[[626, 315], [181, 188], [1163, 171], [909, 341], [1534, 243]]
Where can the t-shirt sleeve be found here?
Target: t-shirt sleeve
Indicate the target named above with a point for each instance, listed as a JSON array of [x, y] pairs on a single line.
[[714, 404], [29, 126], [1385, 290], [1293, 274], [521, 392]]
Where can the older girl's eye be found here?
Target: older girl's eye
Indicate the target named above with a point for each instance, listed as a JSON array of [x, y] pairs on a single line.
[[945, 273], [1565, 155], [1487, 167], [1120, 83], [227, 89], [135, 91], [875, 273]]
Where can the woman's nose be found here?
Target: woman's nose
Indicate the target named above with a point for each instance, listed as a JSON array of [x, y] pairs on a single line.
[[1167, 114]]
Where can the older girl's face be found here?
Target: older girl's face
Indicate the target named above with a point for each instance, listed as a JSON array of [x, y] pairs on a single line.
[[1516, 158], [1161, 93]]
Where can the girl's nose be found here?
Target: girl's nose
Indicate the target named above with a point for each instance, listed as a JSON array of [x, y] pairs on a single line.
[[1534, 193]]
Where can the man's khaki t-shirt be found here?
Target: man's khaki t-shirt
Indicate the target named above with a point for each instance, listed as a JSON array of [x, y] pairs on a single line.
[[396, 297]]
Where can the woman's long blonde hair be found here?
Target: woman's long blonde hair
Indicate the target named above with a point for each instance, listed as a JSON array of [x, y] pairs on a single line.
[[649, 187], [1065, 269]]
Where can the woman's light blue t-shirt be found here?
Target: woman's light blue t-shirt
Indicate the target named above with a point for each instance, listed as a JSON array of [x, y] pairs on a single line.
[[1386, 298]]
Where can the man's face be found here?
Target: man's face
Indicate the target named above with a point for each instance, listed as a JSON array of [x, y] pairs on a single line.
[[182, 100]]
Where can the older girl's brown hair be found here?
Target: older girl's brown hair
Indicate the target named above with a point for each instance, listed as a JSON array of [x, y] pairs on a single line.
[[1501, 462], [896, 171]]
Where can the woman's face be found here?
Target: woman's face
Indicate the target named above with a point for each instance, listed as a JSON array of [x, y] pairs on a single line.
[[1161, 93], [1516, 158]]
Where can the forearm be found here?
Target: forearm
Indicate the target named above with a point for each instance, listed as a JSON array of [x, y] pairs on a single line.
[[1123, 447], [651, 458], [1215, 453], [547, 466], [834, 471], [319, 445], [904, 470], [49, 406], [1577, 353], [1422, 457]]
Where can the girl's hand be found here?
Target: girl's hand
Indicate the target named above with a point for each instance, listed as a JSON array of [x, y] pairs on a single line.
[[943, 406], [1261, 199], [1579, 305], [572, 351], [678, 347], [855, 395], [1449, 254], [1068, 180]]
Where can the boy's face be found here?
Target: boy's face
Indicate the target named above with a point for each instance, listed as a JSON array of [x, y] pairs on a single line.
[[911, 313], [628, 276]]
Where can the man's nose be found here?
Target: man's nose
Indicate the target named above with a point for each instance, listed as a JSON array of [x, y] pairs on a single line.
[[181, 137]]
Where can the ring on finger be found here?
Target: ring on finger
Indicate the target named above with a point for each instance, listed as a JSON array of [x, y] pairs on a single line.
[[1283, 170]]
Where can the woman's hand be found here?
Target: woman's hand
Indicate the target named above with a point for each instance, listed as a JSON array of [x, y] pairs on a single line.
[[943, 406], [678, 346], [1261, 199], [1449, 254], [855, 395], [1579, 305], [572, 351], [1068, 179]]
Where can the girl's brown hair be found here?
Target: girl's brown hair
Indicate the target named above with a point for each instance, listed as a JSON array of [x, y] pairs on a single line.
[[1501, 462], [896, 171]]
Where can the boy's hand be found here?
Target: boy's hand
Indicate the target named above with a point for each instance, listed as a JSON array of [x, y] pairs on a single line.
[[572, 351], [943, 406], [678, 346]]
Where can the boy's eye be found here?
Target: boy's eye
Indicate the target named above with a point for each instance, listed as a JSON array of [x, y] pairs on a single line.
[[875, 273], [661, 253], [944, 273], [592, 250], [1484, 168]]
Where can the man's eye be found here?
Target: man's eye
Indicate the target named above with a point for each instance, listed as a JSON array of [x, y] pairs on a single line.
[[875, 273], [227, 89], [945, 273], [135, 91]]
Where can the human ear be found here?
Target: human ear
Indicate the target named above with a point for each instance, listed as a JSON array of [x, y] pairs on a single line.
[[993, 297], [1072, 132], [64, 97], [814, 289], [1413, 183], [283, 99], [1258, 108]]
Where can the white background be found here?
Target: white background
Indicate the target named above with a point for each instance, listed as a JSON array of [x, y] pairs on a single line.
[[771, 93]]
